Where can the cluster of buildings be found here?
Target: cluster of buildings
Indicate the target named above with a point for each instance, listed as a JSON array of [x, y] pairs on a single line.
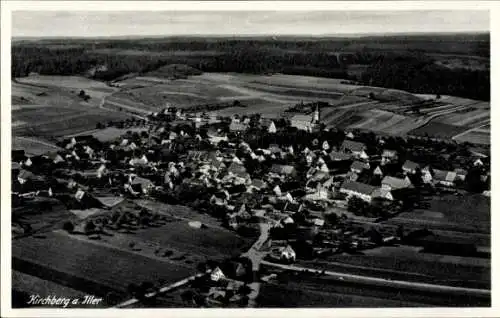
[[243, 183]]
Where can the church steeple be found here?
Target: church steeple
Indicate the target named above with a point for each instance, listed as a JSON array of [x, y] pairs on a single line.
[[316, 114]]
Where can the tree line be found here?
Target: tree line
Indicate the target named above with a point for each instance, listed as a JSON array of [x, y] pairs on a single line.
[[406, 70]]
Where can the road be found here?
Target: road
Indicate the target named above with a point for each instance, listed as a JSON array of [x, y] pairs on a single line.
[[132, 109], [162, 290], [351, 278], [256, 256]]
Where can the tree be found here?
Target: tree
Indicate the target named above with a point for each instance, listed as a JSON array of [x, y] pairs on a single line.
[[89, 227], [68, 227], [331, 218], [187, 296], [400, 232], [356, 205], [244, 290]]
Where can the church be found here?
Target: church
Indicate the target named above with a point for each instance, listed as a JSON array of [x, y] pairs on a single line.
[[306, 122]]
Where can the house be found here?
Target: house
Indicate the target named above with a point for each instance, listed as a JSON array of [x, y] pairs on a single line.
[[382, 193], [238, 127], [318, 222], [356, 148], [478, 163], [24, 175], [284, 170], [217, 274], [304, 122], [426, 175], [326, 145], [271, 128], [293, 208], [287, 220], [410, 167], [236, 168], [321, 193], [277, 190], [339, 156], [139, 161], [218, 199], [287, 254], [28, 162], [352, 176], [287, 197], [240, 178], [357, 189], [461, 173], [257, 184], [214, 137], [445, 178], [393, 183], [378, 172], [389, 156], [358, 166], [274, 149], [140, 184]]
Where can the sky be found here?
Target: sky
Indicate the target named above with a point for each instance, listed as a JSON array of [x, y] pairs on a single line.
[[171, 23]]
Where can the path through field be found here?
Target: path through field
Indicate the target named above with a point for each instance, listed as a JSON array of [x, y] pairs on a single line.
[[255, 94], [482, 124]]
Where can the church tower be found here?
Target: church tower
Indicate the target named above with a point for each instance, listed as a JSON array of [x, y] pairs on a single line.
[[315, 118]]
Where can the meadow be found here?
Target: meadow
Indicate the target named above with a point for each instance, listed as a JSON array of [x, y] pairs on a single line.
[[89, 266]]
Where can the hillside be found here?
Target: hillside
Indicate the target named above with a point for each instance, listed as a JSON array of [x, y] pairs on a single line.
[[174, 71], [456, 65]]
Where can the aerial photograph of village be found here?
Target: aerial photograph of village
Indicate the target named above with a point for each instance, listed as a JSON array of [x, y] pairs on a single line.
[[262, 159]]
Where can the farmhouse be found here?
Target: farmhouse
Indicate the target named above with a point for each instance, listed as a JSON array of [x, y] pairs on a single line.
[[358, 166], [445, 178], [271, 128], [388, 156], [287, 254], [354, 147], [393, 183], [382, 194], [238, 127], [357, 189]]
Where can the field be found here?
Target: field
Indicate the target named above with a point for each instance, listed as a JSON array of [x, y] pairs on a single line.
[[305, 290], [470, 212], [111, 133], [479, 136], [31, 285], [402, 265], [89, 267], [49, 106], [33, 146], [438, 130], [269, 95]]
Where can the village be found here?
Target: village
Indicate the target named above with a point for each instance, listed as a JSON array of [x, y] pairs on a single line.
[[315, 191]]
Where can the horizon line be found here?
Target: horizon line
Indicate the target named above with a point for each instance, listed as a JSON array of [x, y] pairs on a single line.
[[324, 35]]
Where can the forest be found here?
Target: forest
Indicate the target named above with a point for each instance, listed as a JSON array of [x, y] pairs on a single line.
[[406, 63]]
